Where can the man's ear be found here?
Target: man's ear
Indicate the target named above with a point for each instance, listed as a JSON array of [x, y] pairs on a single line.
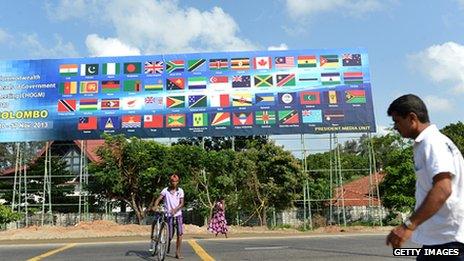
[[413, 116]]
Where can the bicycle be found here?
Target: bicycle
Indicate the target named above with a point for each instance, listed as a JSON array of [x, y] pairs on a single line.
[[159, 240]]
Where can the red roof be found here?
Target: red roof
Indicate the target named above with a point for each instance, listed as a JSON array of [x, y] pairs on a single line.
[[356, 192]]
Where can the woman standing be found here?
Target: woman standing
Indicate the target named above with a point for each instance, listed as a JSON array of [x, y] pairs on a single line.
[[218, 223]]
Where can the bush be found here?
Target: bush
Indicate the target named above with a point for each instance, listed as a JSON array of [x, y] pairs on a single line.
[[7, 215]]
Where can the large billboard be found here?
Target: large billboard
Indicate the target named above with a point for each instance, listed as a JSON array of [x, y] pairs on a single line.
[[184, 95]]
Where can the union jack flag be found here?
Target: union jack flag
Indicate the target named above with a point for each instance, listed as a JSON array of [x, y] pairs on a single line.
[[154, 67]]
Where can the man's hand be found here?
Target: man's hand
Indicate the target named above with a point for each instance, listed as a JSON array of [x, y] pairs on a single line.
[[398, 236]]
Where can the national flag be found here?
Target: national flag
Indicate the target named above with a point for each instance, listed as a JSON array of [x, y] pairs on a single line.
[[307, 61], [287, 98], [332, 97], [153, 67], [110, 123], [264, 99], [68, 69], [153, 121], [308, 79], [89, 69], [200, 119], [110, 104], [334, 115], [219, 82], [197, 83], [240, 63], [88, 104], [220, 100], [355, 96], [242, 118], [131, 121], [330, 78], [349, 59], [153, 84], [288, 117], [110, 68], [173, 102], [311, 116], [196, 65], [110, 86], [284, 62], [329, 61], [218, 64], [67, 88], [263, 80], [262, 63], [132, 68], [87, 123], [132, 85], [310, 98], [131, 103], [66, 105], [265, 117], [353, 77], [173, 84], [153, 103], [285, 80], [175, 120], [197, 101], [89, 87], [241, 99], [241, 81], [175, 66], [220, 119]]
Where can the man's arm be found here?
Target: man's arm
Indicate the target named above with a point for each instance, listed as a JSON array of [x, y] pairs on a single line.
[[158, 201]]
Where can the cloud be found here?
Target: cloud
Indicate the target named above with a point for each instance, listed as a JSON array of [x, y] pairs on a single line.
[[4, 36], [38, 50], [98, 46], [71, 9], [435, 103], [282, 46], [303, 9]]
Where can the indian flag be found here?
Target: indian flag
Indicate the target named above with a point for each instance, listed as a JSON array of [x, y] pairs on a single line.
[[68, 69], [111, 68]]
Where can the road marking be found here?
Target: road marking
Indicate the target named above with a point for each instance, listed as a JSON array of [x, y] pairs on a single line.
[[266, 248], [52, 252], [200, 251]]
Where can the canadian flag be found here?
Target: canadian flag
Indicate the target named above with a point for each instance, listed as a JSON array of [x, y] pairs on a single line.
[[262, 63]]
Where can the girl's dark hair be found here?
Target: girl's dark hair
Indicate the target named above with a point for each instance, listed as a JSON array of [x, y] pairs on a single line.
[[409, 103]]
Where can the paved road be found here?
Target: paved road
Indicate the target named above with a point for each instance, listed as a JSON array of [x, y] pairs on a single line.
[[342, 247]]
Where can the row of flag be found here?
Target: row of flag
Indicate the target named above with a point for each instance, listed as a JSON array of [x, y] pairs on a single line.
[[353, 96], [215, 119], [215, 64]]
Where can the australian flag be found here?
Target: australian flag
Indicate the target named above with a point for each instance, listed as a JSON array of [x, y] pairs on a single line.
[[351, 59]]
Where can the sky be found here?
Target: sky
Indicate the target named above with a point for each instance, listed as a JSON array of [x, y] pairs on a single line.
[[413, 46]]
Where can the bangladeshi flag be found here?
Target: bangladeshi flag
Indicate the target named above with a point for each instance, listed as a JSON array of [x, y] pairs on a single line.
[[132, 68]]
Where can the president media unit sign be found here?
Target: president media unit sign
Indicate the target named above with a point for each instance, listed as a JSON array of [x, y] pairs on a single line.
[[184, 95]]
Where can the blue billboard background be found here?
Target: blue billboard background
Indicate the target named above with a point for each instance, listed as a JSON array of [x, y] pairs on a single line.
[[185, 95]]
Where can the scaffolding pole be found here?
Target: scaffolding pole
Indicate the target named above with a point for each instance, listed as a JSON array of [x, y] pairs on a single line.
[[331, 181], [81, 163], [340, 178], [47, 192], [371, 150]]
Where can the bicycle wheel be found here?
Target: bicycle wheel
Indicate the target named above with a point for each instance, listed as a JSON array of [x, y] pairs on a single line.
[[155, 228], [163, 241]]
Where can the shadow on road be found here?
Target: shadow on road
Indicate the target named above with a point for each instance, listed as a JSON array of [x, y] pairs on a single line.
[[145, 255]]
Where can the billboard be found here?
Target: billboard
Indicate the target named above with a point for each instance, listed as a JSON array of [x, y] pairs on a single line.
[[185, 95]]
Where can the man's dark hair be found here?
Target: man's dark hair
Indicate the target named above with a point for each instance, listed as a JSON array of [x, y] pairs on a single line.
[[409, 103]]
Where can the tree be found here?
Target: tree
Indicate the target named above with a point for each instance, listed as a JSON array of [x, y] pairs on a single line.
[[7, 215], [455, 131]]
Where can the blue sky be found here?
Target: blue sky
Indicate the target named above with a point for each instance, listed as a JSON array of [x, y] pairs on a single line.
[[414, 46]]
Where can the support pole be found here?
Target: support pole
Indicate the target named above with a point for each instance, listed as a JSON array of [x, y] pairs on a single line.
[[331, 221], [25, 197], [81, 162]]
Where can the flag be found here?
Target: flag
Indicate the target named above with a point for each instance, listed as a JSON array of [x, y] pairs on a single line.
[[173, 84], [175, 102], [110, 104], [87, 123], [334, 115], [288, 117], [330, 78], [110, 123], [264, 99], [153, 84], [110, 86], [220, 119], [197, 65], [153, 103], [310, 98], [287, 98], [68, 88], [308, 79], [175, 66], [332, 97], [66, 105], [220, 100], [241, 81], [131, 121], [355, 96], [197, 101], [329, 61], [88, 104], [153, 121], [89, 87], [285, 80], [89, 69], [200, 119], [242, 118], [262, 63], [241, 99], [218, 64], [265, 117], [351, 59], [132, 85], [196, 83], [307, 61], [263, 80], [240, 63], [153, 67], [284, 62], [131, 103], [132, 68], [219, 82], [110, 68], [68, 69], [175, 120], [311, 116], [353, 77]]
